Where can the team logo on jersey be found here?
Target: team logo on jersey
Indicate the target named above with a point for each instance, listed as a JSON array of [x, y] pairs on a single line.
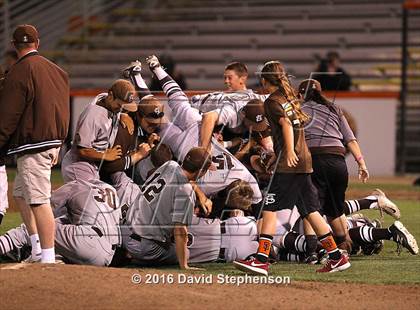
[[258, 118], [269, 199]]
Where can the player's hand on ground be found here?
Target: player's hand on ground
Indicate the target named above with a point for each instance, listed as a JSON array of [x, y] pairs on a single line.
[[127, 122], [113, 153], [153, 139], [363, 173], [291, 159], [153, 62]]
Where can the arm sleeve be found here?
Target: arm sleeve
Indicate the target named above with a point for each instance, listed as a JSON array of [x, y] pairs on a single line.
[[13, 100], [345, 129], [274, 110], [183, 204], [128, 192], [86, 130], [127, 143], [60, 197]]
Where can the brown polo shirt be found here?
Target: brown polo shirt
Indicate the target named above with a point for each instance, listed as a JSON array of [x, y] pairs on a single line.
[[274, 110]]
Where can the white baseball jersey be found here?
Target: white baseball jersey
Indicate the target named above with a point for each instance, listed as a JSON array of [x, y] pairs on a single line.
[[166, 198], [184, 133], [227, 104], [4, 204], [96, 129], [236, 236], [93, 203]]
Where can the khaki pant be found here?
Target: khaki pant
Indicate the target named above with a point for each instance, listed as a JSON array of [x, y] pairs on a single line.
[[33, 176]]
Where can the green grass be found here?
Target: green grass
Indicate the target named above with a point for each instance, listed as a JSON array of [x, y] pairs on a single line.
[[385, 268]]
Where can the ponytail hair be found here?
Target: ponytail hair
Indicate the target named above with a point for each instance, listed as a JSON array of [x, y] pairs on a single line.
[[310, 90], [275, 74]]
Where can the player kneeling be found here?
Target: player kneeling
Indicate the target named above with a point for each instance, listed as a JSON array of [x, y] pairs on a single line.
[[160, 211]]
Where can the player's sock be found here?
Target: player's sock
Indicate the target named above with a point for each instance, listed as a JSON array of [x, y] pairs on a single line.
[[353, 206], [366, 234], [328, 243], [36, 246], [6, 244], [264, 248], [160, 73], [311, 244], [292, 241], [48, 256], [141, 87]]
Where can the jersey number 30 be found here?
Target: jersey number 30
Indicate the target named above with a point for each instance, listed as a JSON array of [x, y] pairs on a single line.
[[149, 192]]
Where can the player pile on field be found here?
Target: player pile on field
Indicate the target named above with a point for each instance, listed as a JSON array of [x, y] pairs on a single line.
[[229, 176]]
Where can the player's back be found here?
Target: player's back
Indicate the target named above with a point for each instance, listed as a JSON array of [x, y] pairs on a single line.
[[167, 198], [91, 203]]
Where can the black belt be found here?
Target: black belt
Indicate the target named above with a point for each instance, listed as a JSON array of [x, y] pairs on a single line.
[[98, 231], [222, 250], [100, 234], [135, 237]]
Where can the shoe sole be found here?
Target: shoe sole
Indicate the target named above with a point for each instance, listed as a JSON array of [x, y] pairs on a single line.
[[414, 249], [385, 202], [250, 269]]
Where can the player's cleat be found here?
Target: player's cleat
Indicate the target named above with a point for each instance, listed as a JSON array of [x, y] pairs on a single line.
[[253, 266], [31, 260], [153, 62], [133, 68], [402, 236], [14, 255], [336, 265], [386, 205], [311, 259]]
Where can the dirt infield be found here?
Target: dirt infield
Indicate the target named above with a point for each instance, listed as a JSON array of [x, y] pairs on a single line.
[[39, 286]]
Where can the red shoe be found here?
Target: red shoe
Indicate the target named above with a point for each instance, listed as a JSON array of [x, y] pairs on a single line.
[[336, 265], [253, 266]]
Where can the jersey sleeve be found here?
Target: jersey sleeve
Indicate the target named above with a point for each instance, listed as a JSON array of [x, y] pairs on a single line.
[[227, 116], [86, 130], [60, 197], [128, 192], [345, 129], [273, 109], [183, 206]]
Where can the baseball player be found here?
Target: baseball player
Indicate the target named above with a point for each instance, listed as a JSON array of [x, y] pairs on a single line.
[[96, 131], [160, 211], [211, 240], [183, 133], [87, 216]]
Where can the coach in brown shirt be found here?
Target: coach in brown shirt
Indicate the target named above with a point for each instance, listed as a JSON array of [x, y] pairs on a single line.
[[34, 120]]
